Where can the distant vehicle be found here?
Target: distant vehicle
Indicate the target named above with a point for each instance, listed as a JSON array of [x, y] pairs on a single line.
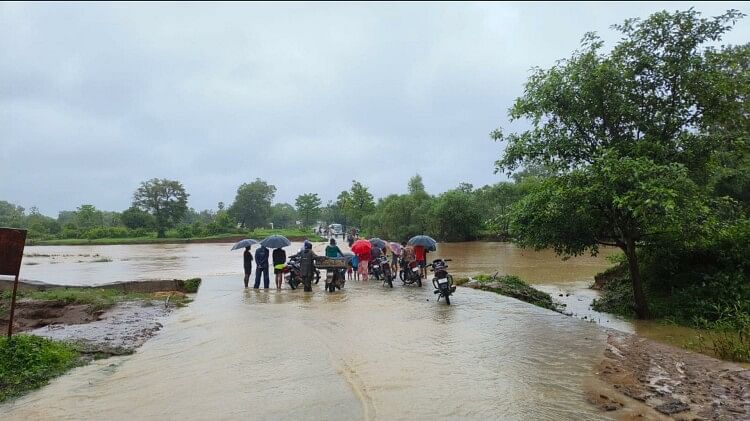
[[336, 230]]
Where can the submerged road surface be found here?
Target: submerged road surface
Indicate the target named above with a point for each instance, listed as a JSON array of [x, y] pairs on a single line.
[[367, 352]]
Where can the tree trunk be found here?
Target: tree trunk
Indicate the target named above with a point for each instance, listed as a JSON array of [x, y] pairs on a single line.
[[641, 306], [160, 232]]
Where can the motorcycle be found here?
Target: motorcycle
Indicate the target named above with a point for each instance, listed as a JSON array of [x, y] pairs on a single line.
[[410, 273], [384, 267], [375, 268], [293, 273], [443, 281]]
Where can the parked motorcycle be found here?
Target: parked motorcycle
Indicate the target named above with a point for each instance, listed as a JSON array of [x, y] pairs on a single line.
[[384, 268], [293, 273], [410, 273], [374, 269], [443, 281]]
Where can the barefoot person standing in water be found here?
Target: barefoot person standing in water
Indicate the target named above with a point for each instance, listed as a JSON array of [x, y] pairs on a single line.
[[279, 259]]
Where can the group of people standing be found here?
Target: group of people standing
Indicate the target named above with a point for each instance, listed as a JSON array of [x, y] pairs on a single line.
[[358, 266], [278, 257]]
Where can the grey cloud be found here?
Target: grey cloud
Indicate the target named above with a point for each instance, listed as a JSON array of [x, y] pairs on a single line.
[[96, 97]]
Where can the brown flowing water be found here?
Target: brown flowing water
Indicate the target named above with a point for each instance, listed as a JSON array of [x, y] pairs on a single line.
[[367, 352]]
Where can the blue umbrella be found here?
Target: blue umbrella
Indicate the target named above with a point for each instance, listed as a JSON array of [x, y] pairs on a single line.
[[377, 242], [425, 241], [247, 242], [275, 242]]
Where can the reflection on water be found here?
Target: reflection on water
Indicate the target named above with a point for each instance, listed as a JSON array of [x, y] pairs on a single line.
[[367, 352]]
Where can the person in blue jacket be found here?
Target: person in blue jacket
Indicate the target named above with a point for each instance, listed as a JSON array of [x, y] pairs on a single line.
[[261, 266]]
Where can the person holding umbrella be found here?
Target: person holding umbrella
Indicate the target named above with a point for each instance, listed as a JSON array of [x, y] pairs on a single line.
[[362, 249], [247, 258], [279, 260]]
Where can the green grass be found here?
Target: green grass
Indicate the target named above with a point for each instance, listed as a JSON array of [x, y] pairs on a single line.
[[724, 323], [513, 286], [29, 362], [191, 285], [97, 298]]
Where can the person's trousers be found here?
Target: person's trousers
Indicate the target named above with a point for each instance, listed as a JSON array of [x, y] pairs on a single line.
[[258, 271]]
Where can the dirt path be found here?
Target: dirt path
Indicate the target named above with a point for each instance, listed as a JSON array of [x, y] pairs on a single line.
[[641, 378]]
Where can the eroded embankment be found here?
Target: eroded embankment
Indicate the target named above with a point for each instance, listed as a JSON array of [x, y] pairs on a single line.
[[110, 319], [671, 382]]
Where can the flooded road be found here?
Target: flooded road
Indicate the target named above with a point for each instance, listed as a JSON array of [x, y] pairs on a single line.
[[90, 265], [366, 352]]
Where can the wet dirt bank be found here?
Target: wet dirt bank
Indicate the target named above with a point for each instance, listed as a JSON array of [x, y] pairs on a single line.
[[640, 378]]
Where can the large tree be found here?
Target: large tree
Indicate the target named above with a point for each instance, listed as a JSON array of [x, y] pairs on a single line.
[[134, 218], [165, 199], [627, 135], [88, 216], [12, 215], [252, 204], [356, 203], [308, 208], [283, 215]]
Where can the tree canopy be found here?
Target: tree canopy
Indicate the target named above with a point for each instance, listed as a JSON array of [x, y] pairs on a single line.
[[628, 136], [252, 204], [165, 199], [308, 208]]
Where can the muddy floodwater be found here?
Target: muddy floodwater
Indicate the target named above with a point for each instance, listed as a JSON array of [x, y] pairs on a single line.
[[367, 352]]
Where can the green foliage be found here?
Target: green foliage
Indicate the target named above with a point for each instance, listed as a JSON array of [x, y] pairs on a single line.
[[513, 286], [108, 232], [88, 217], [283, 215], [252, 204], [455, 216], [356, 203], [416, 189], [191, 285], [165, 199], [28, 362], [629, 137], [135, 218], [11, 215], [308, 208]]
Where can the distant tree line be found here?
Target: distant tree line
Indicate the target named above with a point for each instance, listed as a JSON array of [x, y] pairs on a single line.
[[160, 209]]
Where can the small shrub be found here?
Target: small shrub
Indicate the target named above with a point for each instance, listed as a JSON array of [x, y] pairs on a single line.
[[28, 362], [191, 285]]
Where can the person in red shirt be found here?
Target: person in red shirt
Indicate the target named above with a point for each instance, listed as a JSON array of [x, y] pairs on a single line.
[[421, 257]]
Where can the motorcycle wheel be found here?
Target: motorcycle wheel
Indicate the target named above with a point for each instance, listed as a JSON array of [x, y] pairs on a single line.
[[331, 287], [402, 275], [448, 299]]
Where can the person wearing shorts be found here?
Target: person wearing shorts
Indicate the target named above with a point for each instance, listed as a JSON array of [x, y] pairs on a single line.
[[279, 262]]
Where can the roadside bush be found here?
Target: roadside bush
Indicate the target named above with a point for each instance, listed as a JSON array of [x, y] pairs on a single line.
[[28, 362], [184, 231], [107, 232]]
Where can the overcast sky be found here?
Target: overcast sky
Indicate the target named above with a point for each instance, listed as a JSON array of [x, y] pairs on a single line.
[[95, 98]]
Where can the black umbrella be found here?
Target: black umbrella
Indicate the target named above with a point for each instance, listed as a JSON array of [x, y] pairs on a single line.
[[425, 241], [377, 242], [244, 243], [275, 242]]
